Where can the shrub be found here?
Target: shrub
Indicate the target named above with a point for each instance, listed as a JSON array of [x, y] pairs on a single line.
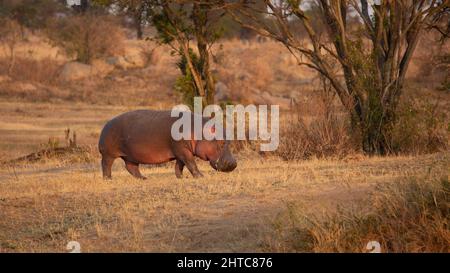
[[420, 127], [317, 132], [10, 36], [86, 37], [320, 137]]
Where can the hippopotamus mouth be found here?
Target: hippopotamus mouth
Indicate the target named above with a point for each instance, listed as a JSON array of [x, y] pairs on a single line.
[[223, 167], [225, 163]]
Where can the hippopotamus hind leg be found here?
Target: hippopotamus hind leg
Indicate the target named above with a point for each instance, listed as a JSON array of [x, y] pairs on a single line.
[[133, 169], [179, 165], [107, 162]]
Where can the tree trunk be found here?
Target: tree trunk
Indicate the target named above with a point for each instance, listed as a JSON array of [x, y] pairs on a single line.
[[206, 73], [12, 58], [374, 141], [200, 17], [376, 124], [138, 22], [84, 5], [195, 74], [139, 33]]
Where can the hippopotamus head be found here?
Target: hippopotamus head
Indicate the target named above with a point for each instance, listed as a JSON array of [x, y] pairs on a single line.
[[218, 153]]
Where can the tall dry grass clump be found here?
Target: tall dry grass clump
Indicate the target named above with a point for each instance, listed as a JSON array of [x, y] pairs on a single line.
[[320, 137], [43, 71], [409, 216], [316, 130]]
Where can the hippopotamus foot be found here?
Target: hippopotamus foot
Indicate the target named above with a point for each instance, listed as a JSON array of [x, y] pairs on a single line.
[[192, 167], [133, 169]]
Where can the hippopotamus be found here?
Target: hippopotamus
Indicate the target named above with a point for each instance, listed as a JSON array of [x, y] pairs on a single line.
[[144, 137]]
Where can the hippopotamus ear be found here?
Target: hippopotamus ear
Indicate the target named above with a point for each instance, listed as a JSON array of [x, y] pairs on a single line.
[[209, 132]]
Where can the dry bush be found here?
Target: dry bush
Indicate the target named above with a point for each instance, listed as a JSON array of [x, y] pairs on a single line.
[[43, 71], [408, 216], [321, 137], [87, 37], [10, 36], [421, 127], [316, 132]]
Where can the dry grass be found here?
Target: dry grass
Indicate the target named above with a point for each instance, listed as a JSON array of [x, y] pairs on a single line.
[[43, 206], [25, 127], [43, 71], [410, 215], [317, 129]]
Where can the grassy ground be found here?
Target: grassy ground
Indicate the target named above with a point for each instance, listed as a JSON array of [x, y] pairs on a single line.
[[45, 205]]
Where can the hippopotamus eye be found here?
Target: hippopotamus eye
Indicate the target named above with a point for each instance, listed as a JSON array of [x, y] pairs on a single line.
[[210, 132]]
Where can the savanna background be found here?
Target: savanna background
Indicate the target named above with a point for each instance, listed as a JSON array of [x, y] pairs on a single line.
[[333, 185]]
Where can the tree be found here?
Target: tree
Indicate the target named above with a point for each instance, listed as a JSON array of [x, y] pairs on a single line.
[[373, 58], [10, 36], [136, 9], [31, 14], [81, 7], [86, 36], [440, 22], [180, 22]]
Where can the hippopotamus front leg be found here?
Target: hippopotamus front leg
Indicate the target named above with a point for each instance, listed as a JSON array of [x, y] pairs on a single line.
[[192, 167], [187, 158]]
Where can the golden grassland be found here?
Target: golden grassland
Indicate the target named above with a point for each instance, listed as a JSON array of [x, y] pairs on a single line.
[[45, 205]]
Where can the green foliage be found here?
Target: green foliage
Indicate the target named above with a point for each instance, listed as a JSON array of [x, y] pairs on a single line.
[[185, 84], [169, 25], [166, 30], [177, 24], [228, 28]]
